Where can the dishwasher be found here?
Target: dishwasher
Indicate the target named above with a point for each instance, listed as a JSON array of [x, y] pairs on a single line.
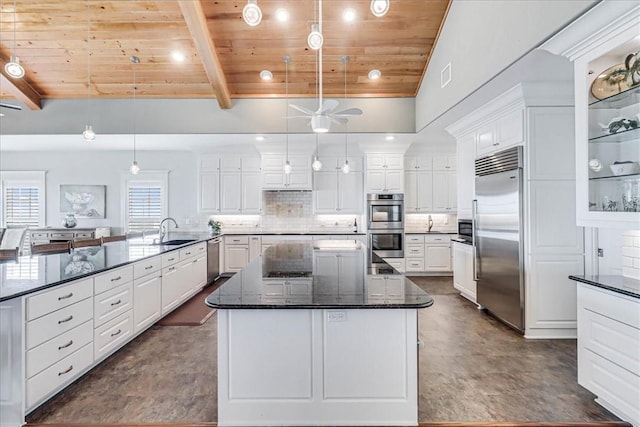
[[213, 259]]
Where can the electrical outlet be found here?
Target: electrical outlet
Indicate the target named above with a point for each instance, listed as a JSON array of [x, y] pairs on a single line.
[[601, 252], [336, 316]]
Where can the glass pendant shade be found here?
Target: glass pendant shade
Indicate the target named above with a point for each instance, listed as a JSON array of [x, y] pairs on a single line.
[[315, 39], [89, 134], [251, 13], [346, 168], [317, 164], [287, 167], [13, 68], [134, 169], [379, 7]]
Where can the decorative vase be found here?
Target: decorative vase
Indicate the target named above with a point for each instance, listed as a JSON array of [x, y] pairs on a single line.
[[69, 221]]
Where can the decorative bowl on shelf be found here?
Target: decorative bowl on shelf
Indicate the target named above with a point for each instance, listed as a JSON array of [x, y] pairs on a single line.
[[625, 168]]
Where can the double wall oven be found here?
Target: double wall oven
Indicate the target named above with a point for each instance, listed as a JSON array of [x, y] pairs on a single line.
[[385, 225]]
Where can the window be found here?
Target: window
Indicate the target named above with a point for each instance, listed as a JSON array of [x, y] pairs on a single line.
[[23, 201], [146, 200]]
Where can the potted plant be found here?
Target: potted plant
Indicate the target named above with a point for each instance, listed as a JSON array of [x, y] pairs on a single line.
[[214, 226]]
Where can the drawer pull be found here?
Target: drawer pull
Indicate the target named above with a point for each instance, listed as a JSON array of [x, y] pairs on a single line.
[[115, 279], [66, 371], [171, 268], [116, 303], [148, 267], [187, 253], [65, 320], [69, 295], [116, 333], [69, 344], [171, 259]]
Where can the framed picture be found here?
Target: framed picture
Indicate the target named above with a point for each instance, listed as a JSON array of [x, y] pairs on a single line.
[[84, 201], [82, 261]]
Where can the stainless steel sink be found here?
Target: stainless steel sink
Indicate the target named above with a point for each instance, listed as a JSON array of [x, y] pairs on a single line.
[[175, 242]]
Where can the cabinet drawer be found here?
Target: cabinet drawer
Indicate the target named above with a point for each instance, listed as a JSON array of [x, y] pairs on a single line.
[[57, 235], [414, 264], [113, 278], [58, 297], [58, 374], [414, 238], [113, 334], [236, 240], [147, 266], [170, 258], [112, 303], [438, 238], [273, 289], [83, 235], [53, 324], [40, 236], [603, 302], [414, 251], [193, 250], [55, 349]]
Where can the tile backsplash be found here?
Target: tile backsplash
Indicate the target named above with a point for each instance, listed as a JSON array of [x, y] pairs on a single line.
[[631, 254], [417, 223]]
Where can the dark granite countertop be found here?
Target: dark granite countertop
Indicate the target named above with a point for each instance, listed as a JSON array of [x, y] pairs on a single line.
[[430, 232], [620, 284], [326, 274], [287, 233], [34, 273]]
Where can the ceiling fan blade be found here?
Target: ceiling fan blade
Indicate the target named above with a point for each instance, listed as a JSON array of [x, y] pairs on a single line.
[[349, 112], [339, 120], [328, 106], [298, 117], [302, 109], [11, 106]]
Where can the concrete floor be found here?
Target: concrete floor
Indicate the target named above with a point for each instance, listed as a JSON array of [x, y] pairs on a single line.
[[473, 368]]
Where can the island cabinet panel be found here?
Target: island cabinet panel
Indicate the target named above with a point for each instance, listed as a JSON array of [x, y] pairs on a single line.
[[59, 297], [358, 366], [147, 300], [53, 324], [170, 288], [113, 334]]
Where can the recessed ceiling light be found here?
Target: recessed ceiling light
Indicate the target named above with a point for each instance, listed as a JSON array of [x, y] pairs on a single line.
[[374, 74], [266, 75], [390, 137], [349, 15], [282, 15], [178, 56], [259, 138]]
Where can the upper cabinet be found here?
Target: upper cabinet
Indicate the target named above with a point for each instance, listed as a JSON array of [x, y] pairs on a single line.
[[274, 178], [229, 185], [605, 49], [385, 161], [385, 173], [430, 183]]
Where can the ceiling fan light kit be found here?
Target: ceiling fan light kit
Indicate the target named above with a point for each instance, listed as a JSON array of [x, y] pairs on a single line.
[[251, 13], [320, 123], [379, 7], [13, 68]]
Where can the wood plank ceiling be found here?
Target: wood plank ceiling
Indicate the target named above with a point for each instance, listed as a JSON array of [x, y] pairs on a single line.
[[51, 42]]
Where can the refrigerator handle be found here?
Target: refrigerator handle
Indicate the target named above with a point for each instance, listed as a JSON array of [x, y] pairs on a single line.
[[474, 211]]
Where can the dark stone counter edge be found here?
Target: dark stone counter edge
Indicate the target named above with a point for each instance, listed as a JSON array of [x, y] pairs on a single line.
[[318, 306], [165, 248], [328, 233], [604, 286]]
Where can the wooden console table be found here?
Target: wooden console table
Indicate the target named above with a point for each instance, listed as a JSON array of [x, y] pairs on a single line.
[[48, 234]]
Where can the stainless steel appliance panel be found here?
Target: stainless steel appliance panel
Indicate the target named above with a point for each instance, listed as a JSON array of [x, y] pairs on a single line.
[[387, 244], [385, 211], [499, 246], [213, 259]]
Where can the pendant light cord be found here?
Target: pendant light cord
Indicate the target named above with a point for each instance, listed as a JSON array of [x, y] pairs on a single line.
[[287, 59], [14, 28], [88, 61], [345, 59], [134, 108]]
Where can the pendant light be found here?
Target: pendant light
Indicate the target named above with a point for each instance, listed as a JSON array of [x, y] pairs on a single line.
[[286, 59], [13, 67], [135, 168], [316, 165], [379, 7], [346, 168], [251, 13], [88, 134]]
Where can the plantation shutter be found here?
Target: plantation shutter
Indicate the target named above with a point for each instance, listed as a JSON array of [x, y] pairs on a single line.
[[22, 208], [145, 207]]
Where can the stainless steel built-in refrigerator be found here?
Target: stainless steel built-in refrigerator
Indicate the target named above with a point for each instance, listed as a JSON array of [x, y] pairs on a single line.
[[498, 236]]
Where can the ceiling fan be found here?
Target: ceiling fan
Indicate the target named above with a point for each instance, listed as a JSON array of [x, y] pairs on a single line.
[[320, 120]]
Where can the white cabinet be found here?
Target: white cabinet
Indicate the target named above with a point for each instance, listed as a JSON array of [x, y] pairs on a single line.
[[337, 273], [147, 300], [419, 191], [398, 263], [331, 163], [463, 273], [418, 163], [385, 161], [385, 181], [337, 192], [445, 196], [385, 287], [446, 163], [236, 253], [504, 131], [428, 253], [274, 178], [255, 247], [229, 185], [465, 175]]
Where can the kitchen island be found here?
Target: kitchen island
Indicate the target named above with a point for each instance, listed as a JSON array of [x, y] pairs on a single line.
[[308, 334]]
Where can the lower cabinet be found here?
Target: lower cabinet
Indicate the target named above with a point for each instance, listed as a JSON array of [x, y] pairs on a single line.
[[147, 300], [463, 273], [428, 253], [385, 287]]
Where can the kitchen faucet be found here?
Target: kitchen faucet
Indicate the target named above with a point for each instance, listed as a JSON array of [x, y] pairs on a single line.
[[161, 230], [429, 223]]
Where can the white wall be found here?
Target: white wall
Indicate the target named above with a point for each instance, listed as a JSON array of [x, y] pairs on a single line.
[[481, 38], [105, 168]]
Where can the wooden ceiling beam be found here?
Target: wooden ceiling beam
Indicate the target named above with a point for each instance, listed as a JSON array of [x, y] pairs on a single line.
[[20, 89], [196, 21]]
